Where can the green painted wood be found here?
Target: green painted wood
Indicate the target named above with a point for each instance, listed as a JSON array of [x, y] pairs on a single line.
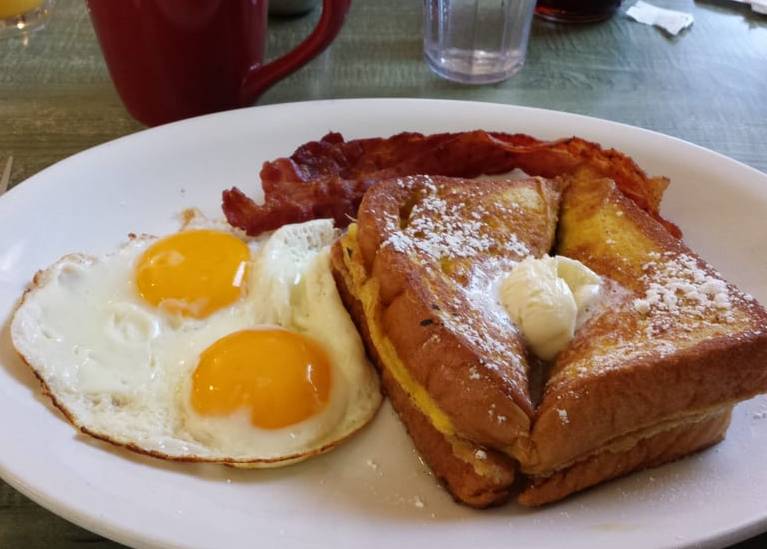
[[708, 86]]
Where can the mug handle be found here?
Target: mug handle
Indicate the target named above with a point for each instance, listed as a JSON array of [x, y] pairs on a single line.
[[259, 78]]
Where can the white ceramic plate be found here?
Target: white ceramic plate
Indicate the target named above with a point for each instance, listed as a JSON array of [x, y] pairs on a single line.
[[373, 491]]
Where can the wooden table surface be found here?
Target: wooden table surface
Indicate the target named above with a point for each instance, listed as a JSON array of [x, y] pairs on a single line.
[[708, 86]]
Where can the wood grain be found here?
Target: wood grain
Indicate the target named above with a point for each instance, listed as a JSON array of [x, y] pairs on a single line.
[[707, 86]]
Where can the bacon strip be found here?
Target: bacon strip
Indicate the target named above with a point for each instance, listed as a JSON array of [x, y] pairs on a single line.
[[327, 178]]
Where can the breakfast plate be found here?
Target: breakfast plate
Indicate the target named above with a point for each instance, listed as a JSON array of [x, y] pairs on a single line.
[[372, 490]]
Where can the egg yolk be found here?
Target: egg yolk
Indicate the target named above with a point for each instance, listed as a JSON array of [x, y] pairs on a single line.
[[281, 377], [193, 273]]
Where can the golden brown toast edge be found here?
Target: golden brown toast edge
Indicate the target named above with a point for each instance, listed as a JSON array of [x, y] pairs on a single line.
[[585, 407], [665, 446], [470, 480]]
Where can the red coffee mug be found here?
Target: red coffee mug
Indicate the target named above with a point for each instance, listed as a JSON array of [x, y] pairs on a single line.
[[172, 59]]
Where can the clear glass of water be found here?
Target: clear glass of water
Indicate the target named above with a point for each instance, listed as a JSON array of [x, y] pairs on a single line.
[[19, 16], [476, 41]]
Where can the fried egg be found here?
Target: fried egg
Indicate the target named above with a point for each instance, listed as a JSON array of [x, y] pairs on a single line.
[[202, 345]]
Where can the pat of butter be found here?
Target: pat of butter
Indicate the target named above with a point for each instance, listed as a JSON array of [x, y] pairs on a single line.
[[546, 298]]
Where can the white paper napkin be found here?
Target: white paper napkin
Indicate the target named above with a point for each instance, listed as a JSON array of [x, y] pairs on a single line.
[[672, 21], [759, 6]]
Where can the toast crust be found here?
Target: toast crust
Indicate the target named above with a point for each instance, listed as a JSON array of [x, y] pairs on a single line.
[[688, 437], [473, 475]]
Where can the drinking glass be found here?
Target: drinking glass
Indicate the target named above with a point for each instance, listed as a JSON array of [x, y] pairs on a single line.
[[22, 15], [476, 41]]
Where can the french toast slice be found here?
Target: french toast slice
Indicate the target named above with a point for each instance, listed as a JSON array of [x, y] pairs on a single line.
[[417, 272], [654, 375]]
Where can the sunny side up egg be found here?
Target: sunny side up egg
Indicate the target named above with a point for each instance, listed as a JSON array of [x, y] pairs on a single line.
[[202, 345]]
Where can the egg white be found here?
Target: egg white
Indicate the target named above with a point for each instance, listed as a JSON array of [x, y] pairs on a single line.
[[121, 369]]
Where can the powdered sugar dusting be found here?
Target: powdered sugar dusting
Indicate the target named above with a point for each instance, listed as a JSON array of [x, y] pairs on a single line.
[[458, 323], [682, 301], [678, 284], [449, 230], [449, 227]]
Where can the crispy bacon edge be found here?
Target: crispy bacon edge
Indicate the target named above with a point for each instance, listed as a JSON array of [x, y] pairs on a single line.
[[327, 178]]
